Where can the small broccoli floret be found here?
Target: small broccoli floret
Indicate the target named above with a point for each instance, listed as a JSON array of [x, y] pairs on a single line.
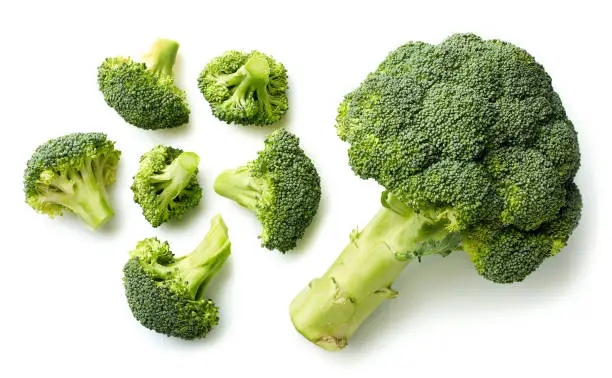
[[281, 186], [166, 185], [70, 173], [245, 88], [167, 293], [476, 153], [145, 97]]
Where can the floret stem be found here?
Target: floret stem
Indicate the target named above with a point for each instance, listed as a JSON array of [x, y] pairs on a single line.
[[176, 176], [200, 266], [84, 193], [253, 76], [163, 55], [332, 307], [258, 69], [239, 186]]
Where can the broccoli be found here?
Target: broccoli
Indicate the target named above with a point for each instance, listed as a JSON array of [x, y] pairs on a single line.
[[70, 173], [281, 186], [166, 185], [245, 88], [475, 152], [145, 97], [167, 293]]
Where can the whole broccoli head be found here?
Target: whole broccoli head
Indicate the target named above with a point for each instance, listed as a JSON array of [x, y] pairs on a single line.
[[245, 88], [70, 173], [167, 293], [166, 185], [470, 131], [143, 96], [281, 186], [476, 153]]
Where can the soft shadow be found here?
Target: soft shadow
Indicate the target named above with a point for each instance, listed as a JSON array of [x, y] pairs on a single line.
[[180, 78], [70, 222], [177, 343], [264, 131], [453, 283], [113, 225], [174, 132]]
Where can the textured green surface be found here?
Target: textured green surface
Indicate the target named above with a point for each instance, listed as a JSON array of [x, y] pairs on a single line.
[[245, 88]]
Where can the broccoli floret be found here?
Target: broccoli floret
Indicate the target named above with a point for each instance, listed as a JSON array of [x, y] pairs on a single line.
[[168, 294], [145, 97], [507, 254], [166, 185], [245, 88], [281, 186], [476, 153], [70, 173]]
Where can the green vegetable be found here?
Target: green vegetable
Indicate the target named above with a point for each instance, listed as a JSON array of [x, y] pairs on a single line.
[[166, 185], [281, 186], [145, 97], [476, 154], [70, 173], [245, 88], [167, 294]]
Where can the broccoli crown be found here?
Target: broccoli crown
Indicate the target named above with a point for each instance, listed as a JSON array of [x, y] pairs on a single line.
[[166, 185], [471, 131], [70, 173], [281, 185], [245, 88], [145, 97], [167, 294]]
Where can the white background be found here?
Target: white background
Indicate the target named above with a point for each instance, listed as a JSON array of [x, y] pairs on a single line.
[[62, 307]]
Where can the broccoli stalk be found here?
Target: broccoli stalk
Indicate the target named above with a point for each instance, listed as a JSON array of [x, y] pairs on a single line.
[[199, 267], [175, 177], [82, 191], [241, 187], [332, 307], [163, 55]]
